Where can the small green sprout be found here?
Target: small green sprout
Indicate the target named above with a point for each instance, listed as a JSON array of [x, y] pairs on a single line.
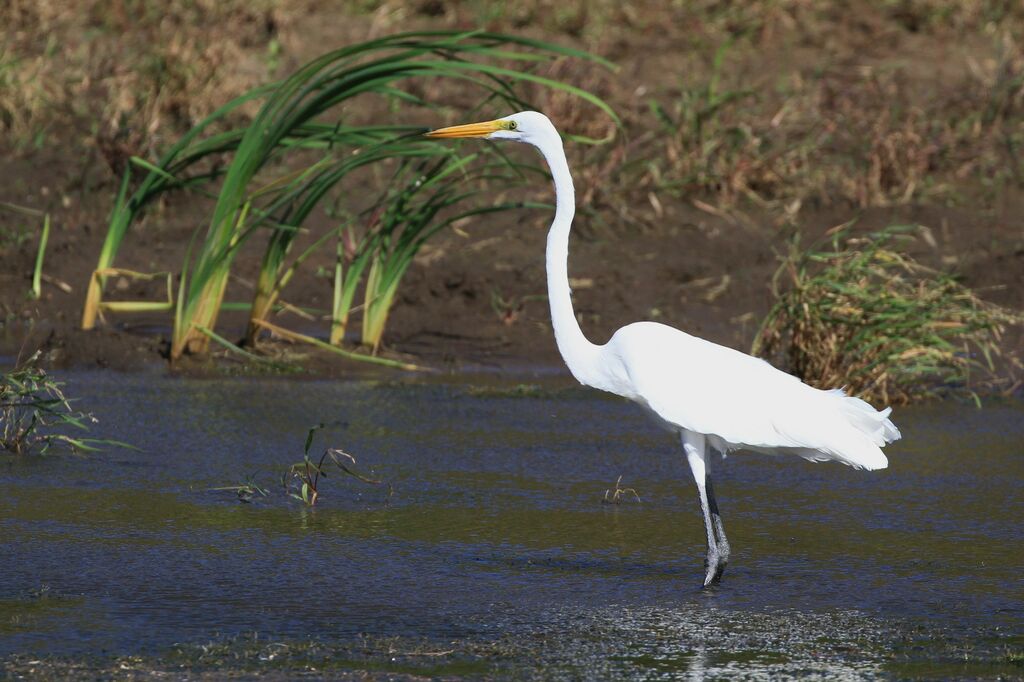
[[301, 481]]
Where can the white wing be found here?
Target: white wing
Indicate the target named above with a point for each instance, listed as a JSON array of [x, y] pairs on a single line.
[[700, 386]]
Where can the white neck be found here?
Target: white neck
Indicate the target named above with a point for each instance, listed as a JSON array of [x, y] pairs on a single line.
[[579, 354]]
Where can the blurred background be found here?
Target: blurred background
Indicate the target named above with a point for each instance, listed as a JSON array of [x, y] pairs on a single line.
[[746, 127]]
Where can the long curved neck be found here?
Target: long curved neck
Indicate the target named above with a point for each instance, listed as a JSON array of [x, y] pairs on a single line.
[[579, 354]]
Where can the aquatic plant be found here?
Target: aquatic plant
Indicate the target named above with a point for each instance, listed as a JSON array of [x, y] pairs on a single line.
[[865, 315], [288, 122], [379, 245], [35, 413], [246, 490], [302, 480], [617, 493]]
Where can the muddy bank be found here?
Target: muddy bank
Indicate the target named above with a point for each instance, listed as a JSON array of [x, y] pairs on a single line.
[[823, 114], [477, 300]]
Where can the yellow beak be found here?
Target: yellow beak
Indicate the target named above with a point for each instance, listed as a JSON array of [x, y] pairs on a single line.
[[469, 130]]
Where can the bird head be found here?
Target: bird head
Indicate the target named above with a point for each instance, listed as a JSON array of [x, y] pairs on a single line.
[[526, 126]]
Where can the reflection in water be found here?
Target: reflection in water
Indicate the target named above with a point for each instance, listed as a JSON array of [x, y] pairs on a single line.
[[495, 543]]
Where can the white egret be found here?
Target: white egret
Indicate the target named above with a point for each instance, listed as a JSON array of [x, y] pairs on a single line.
[[714, 397]]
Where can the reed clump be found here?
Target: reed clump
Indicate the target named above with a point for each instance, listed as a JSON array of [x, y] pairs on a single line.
[[299, 152], [864, 314]]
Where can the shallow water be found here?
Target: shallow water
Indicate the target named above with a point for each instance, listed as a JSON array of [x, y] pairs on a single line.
[[494, 554]]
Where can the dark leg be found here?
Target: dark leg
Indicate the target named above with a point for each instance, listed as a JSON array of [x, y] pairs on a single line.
[[718, 547], [716, 520]]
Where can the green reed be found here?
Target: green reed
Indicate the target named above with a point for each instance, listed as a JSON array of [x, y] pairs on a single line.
[[290, 126]]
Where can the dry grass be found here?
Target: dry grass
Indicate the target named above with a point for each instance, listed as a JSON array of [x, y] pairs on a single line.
[[847, 125], [781, 103], [133, 72], [866, 315]]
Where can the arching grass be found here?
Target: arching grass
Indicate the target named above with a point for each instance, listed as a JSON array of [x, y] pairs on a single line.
[[302, 113], [865, 315]]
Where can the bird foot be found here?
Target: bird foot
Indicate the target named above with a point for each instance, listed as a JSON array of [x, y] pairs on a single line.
[[714, 567], [723, 553]]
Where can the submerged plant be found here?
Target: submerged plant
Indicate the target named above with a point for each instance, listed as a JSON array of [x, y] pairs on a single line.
[[302, 480], [34, 413], [866, 315], [246, 491], [617, 494]]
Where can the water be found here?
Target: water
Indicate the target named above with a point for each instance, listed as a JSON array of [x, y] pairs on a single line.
[[493, 554]]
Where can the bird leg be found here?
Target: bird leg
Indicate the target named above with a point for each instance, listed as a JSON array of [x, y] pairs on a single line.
[[716, 520], [718, 546]]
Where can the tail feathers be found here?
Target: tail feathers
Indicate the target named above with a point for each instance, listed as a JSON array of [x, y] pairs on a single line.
[[871, 429], [875, 424], [834, 426], [864, 455]]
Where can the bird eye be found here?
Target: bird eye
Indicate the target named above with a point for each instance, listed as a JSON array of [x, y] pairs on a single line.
[[511, 125]]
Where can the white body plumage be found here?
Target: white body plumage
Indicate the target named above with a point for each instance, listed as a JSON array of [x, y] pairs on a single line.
[[711, 395], [740, 402]]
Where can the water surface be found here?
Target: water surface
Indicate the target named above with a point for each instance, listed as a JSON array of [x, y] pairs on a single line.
[[493, 553]]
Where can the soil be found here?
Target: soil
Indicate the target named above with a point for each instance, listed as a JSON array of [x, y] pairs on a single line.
[[474, 297]]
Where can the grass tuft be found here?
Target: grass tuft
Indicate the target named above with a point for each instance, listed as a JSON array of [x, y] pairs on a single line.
[[865, 315], [34, 413]]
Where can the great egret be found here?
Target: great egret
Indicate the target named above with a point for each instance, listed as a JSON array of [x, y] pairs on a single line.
[[714, 397]]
